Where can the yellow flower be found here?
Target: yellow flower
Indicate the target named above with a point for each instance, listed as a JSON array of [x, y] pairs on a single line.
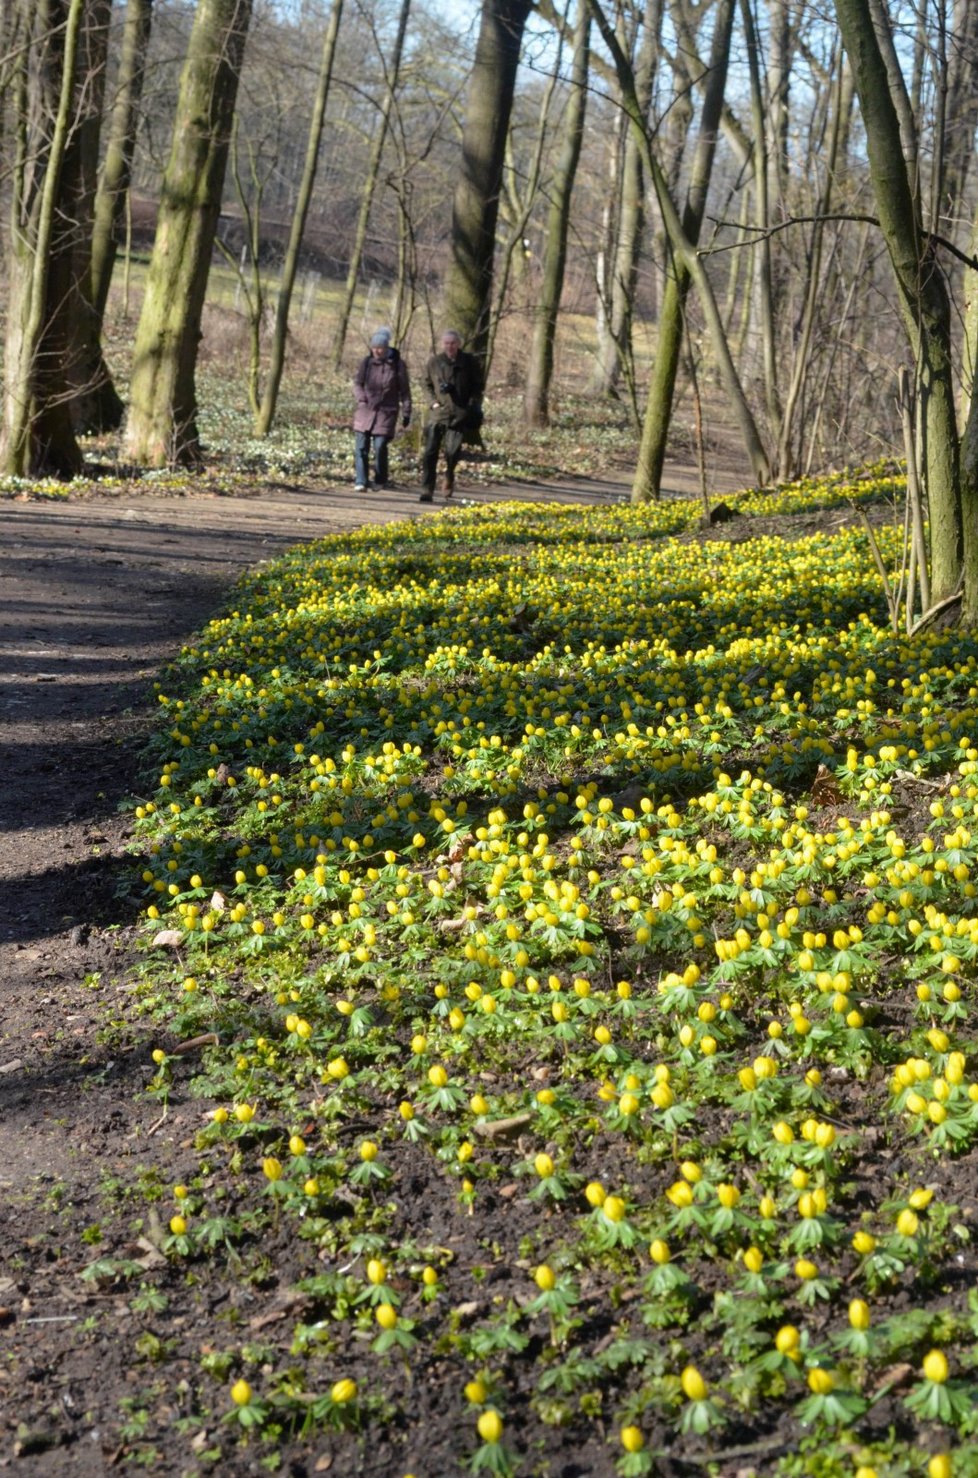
[[935, 1367], [386, 1316], [368, 1150], [343, 1391], [595, 1193], [859, 1314], [543, 1165], [178, 1225], [864, 1243], [544, 1278], [940, 1466], [272, 1168], [693, 1384], [659, 1251], [241, 1392], [787, 1340], [613, 1208], [907, 1223], [753, 1259], [821, 1381], [490, 1426], [632, 1439], [376, 1270], [475, 1391]]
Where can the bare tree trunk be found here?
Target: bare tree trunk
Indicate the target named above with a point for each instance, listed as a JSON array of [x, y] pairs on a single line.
[[468, 294], [658, 412], [536, 403], [38, 437], [787, 462], [615, 319], [522, 206], [370, 185], [290, 265], [163, 402], [763, 277]]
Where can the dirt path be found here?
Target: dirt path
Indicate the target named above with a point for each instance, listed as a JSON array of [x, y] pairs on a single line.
[[95, 596]]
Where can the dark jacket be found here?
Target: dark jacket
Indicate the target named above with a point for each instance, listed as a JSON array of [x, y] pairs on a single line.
[[462, 392], [381, 387]]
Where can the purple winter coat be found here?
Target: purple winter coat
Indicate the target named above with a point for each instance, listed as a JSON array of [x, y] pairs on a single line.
[[380, 387]]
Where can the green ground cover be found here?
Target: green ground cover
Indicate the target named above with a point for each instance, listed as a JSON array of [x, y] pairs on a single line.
[[587, 918]]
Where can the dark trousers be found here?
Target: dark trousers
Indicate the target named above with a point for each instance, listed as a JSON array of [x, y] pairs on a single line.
[[361, 457], [436, 433]]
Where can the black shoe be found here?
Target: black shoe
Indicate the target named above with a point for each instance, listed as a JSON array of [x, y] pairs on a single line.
[[427, 497]]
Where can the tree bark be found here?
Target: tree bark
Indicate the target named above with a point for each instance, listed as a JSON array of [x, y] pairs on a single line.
[[468, 293], [536, 403], [290, 265], [162, 425]]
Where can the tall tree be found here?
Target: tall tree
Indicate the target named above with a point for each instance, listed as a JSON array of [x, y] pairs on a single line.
[[921, 287], [475, 208], [162, 425], [290, 265], [536, 401], [113, 186], [95, 406], [658, 411], [38, 436], [619, 258], [392, 71]]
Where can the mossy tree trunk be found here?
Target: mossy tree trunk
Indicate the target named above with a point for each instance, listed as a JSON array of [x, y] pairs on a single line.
[[536, 401], [162, 428], [475, 208], [38, 438]]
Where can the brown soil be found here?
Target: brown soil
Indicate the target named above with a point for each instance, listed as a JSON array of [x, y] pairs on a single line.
[[97, 594]]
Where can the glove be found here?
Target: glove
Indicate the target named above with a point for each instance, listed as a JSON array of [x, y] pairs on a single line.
[[405, 421]]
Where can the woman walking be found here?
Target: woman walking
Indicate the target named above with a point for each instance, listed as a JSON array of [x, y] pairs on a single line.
[[381, 389]]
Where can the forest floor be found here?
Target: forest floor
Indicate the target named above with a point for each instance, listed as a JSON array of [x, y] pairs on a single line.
[[97, 594]]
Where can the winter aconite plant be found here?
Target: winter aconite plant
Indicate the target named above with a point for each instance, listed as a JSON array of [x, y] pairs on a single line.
[[588, 921]]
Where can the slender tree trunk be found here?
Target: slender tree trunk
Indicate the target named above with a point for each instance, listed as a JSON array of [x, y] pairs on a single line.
[[468, 293], [922, 291], [38, 437], [814, 286], [765, 312], [290, 265], [370, 186], [522, 205], [162, 425], [536, 403], [658, 412], [113, 188]]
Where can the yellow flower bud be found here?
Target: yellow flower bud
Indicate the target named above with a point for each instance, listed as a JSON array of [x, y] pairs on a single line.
[[935, 1367], [693, 1384]]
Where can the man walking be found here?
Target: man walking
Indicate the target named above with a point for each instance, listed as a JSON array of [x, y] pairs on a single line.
[[454, 384]]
